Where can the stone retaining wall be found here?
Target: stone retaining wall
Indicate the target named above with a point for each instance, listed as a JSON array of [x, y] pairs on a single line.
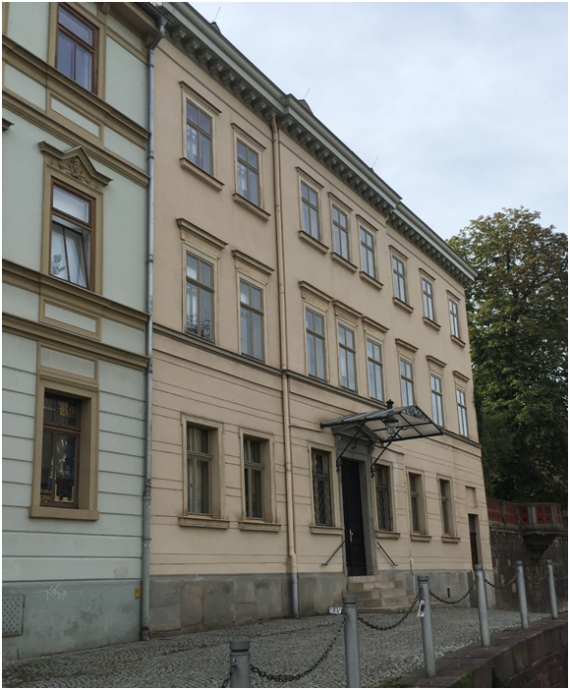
[[537, 657]]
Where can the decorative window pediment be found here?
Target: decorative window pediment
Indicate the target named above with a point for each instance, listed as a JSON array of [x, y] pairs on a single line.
[[76, 164]]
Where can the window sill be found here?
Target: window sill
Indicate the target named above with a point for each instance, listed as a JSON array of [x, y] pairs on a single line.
[[201, 174], [403, 305], [317, 244], [387, 535], [450, 540], [420, 537], [206, 521], [251, 526], [431, 323], [63, 513], [345, 262], [253, 208], [323, 529], [369, 279], [457, 341], [194, 336]]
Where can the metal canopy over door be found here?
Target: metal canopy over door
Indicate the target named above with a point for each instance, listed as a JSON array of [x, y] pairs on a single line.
[[353, 523]]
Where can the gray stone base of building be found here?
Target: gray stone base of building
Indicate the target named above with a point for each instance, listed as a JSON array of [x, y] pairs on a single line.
[[190, 603], [69, 615]]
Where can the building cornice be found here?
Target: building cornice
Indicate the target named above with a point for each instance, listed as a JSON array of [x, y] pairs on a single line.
[[201, 42]]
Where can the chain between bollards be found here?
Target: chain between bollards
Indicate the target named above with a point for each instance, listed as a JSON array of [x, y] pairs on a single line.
[[427, 628]]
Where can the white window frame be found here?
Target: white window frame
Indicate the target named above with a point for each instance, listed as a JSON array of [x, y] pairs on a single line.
[[454, 326], [380, 363], [461, 401], [406, 402], [436, 398], [252, 284], [351, 329], [319, 312]]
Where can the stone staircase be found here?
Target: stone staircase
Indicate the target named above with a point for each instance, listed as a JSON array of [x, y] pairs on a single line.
[[380, 593]]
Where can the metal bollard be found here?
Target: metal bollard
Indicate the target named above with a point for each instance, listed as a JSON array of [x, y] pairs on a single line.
[[482, 606], [239, 655], [552, 589], [521, 589], [351, 645], [427, 629]]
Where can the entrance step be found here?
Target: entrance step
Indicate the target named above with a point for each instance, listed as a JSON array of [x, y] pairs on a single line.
[[373, 596]]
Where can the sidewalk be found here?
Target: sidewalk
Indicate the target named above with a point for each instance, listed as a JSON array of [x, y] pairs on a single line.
[[201, 660]]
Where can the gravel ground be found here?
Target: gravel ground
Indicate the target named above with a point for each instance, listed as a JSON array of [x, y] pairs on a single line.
[[286, 646]]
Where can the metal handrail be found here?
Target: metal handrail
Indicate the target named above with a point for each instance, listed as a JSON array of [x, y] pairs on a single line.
[[334, 553], [379, 545]]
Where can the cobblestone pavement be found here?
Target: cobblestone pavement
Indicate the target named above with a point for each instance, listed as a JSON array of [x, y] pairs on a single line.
[[286, 646]]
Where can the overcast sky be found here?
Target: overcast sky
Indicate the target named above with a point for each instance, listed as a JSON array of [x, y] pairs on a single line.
[[464, 105]]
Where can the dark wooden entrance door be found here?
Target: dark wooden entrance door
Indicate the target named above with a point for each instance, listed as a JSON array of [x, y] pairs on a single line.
[[473, 519], [353, 524]]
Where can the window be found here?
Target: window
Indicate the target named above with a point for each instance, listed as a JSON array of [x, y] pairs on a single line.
[[76, 47], [315, 325], [375, 370], [416, 503], [248, 173], [253, 479], [446, 515], [198, 137], [407, 383], [427, 296], [347, 357], [60, 451], [383, 498], [436, 399], [340, 233], [251, 315], [199, 459], [454, 318], [367, 252], [462, 412], [398, 272], [72, 223], [199, 297], [321, 463], [309, 210]]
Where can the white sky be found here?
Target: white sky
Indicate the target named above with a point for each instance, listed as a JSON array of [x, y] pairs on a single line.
[[463, 104]]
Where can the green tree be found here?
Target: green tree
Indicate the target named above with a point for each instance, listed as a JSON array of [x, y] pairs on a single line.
[[518, 312]]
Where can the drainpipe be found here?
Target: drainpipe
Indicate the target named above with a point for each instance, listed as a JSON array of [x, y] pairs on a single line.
[[284, 367], [145, 588]]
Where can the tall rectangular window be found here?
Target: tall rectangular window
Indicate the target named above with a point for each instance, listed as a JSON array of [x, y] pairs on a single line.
[[367, 252], [199, 297], [347, 357], [253, 478], [315, 325], [340, 233], [427, 296], [454, 318], [406, 383], [76, 40], [399, 276], [416, 502], [60, 451], [251, 317], [71, 231], [198, 137], [436, 399], [248, 172], [445, 498], [321, 466], [462, 412], [310, 211], [374, 370], [383, 498], [199, 459]]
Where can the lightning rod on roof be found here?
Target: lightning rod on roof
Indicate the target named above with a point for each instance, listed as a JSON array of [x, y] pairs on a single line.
[[218, 12], [375, 161], [305, 96]]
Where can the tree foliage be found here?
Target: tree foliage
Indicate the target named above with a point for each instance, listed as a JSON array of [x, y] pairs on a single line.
[[518, 312]]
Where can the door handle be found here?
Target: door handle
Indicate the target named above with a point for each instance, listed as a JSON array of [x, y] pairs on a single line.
[[350, 532]]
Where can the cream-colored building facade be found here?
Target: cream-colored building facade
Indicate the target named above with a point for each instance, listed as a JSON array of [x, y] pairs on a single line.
[[292, 287]]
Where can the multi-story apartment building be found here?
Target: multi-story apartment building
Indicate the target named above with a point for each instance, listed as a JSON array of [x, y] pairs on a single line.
[[75, 117], [293, 288]]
